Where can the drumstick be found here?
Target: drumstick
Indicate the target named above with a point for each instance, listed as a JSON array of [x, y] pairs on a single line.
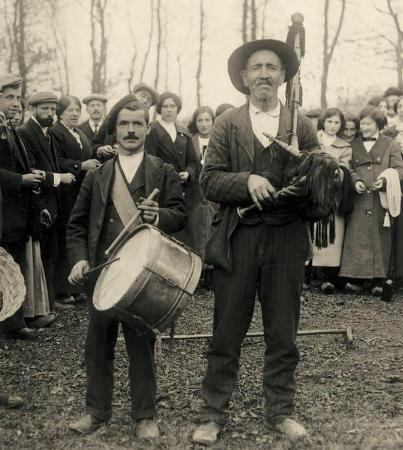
[[127, 228], [101, 266]]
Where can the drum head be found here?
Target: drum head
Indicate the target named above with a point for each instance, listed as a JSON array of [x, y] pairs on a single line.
[[117, 279]]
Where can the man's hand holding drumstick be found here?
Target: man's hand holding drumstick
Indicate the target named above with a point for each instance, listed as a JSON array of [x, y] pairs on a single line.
[[149, 211]]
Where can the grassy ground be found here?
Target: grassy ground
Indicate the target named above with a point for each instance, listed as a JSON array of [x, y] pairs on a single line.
[[348, 399]]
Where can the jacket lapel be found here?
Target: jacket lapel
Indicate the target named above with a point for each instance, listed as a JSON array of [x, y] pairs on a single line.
[[284, 125], [378, 150], [105, 178], [152, 175], [44, 143], [19, 151], [243, 131], [166, 141], [360, 154]]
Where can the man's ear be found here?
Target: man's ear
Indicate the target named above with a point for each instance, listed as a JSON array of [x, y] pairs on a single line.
[[148, 128], [244, 78], [283, 76]]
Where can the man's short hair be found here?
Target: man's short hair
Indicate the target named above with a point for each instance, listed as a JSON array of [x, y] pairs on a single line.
[[131, 106], [375, 114]]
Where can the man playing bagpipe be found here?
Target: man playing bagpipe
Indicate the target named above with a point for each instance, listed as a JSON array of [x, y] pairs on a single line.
[[263, 252]]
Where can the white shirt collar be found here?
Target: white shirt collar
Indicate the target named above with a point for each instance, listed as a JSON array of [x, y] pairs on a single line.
[[92, 125], [130, 164], [275, 112]]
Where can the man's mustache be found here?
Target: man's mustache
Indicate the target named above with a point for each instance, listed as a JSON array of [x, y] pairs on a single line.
[[130, 136]]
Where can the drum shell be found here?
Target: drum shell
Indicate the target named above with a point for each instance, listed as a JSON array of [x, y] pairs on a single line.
[[164, 287]]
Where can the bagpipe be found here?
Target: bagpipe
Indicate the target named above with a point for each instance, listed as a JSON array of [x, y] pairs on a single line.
[[316, 176]]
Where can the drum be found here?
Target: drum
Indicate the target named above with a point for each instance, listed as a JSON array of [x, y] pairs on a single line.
[[151, 282]]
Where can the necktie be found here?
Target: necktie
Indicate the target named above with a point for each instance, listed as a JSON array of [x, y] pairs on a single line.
[[203, 154], [95, 128]]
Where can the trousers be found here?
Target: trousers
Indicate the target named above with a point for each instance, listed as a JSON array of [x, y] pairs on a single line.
[[99, 357], [268, 261]]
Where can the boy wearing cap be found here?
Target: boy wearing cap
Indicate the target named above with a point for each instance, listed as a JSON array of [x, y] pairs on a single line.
[[263, 253], [96, 109]]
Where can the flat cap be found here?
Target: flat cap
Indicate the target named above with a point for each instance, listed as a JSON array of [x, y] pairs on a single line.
[[42, 97], [9, 80], [146, 87], [98, 97]]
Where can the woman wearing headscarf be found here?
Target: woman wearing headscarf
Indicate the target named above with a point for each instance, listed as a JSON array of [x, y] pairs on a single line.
[[173, 144], [75, 155]]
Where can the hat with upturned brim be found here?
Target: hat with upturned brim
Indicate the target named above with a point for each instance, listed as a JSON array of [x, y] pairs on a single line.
[[146, 87], [42, 97], [91, 97], [239, 57]]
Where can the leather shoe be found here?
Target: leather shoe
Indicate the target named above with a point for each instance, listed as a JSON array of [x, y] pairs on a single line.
[[353, 288], [292, 429], [10, 401], [147, 429], [62, 307], [327, 287], [43, 321], [87, 424], [26, 333], [207, 433]]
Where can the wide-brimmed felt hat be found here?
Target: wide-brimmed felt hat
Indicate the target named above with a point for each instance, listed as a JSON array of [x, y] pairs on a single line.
[[239, 57], [146, 87]]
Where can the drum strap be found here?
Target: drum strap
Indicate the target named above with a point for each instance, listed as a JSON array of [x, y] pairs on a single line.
[[122, 200]]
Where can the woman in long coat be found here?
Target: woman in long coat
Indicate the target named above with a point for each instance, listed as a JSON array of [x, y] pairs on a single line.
[[367, 243], [173, 144], [75, 155], [331, 125]]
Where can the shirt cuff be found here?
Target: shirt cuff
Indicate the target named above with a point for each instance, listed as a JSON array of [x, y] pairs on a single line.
[[56, 179]]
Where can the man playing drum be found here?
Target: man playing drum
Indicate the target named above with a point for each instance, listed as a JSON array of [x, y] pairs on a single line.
[[263, 253], [106, 195]]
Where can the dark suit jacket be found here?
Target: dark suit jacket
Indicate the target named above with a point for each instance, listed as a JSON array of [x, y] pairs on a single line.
[[180, 154], [229, 162], [43, 156], [87, 130], [17, 206], [85, 225], [70, 156]]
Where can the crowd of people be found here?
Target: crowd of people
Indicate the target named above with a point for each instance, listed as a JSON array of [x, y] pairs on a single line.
[[49, 164]]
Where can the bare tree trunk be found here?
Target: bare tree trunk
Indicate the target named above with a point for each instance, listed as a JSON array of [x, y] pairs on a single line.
[[10, 35], [200, 62], [150, 38], [19, 39], [245, 9], [98, 45], [130, 79], [158, 62], [166, 52], [263, 24], [329, 50], [60, 51], [180, 77], [399, 43], [253, 31]]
